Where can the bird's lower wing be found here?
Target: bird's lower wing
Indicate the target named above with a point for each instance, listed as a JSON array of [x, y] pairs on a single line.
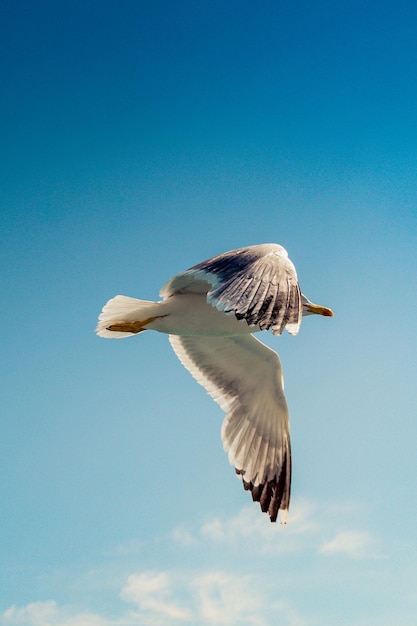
[[245, 378]]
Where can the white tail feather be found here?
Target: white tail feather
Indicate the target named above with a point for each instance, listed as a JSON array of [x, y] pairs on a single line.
[[123, 309]]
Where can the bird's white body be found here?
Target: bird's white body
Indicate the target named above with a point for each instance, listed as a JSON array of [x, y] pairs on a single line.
[[181, 314], [210, 313]]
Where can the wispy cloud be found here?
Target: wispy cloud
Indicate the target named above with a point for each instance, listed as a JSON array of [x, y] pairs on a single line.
[[349, 543], [248, 525], [184, 537], [51, 614], [214, 597], [248, 528], [313, 527], [152, 592], [226, 600], [258, 569]]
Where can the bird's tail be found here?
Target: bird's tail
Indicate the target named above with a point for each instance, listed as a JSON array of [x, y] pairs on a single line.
[[123, 316]]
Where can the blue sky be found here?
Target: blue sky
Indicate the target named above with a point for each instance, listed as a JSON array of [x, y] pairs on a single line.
[[139, 138]]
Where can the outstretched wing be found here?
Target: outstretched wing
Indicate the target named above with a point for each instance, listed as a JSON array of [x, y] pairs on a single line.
[[257, 283], [245, 378]]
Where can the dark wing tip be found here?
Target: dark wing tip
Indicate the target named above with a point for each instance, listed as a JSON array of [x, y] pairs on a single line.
[[272, 495]]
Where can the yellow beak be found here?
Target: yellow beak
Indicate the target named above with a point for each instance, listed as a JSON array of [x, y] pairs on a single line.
[[319, 310]]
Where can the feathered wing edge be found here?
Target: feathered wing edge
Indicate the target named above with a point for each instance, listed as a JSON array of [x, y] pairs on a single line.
[[257, 283], [255, 431]]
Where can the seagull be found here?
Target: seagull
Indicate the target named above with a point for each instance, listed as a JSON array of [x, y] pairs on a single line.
[[211, 312]]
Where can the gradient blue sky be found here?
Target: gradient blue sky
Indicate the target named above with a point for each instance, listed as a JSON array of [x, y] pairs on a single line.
[[139, 138]]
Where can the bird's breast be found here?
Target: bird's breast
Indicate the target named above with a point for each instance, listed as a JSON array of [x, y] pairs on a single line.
[[190, 314]]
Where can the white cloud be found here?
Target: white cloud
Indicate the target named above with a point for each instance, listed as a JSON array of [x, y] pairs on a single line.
[[211, 598], [309, 527], [350, 543], [128, 548], [248, 524], [50, 614], [256, 573], [151, 591], [250, 528], [183, 536], [216, 597], [227, 600]]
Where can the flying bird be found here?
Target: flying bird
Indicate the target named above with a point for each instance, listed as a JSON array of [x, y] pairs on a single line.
[[210, 313]]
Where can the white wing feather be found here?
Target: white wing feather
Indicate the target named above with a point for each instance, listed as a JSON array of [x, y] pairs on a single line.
[[256, 283], [245, 378]]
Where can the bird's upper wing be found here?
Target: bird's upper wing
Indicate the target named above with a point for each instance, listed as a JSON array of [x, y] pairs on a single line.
[[257, 283], [245, 378]]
